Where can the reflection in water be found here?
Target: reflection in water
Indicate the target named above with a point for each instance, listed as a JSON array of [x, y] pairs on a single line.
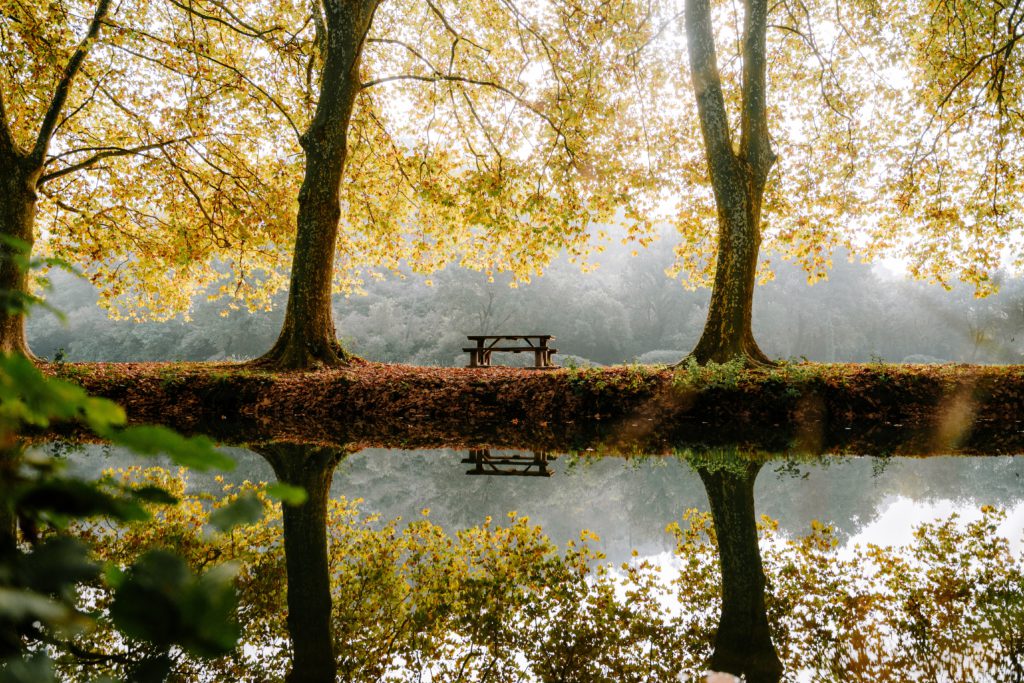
[[305, 549], [497, 601], [743, 644], [514, 464]]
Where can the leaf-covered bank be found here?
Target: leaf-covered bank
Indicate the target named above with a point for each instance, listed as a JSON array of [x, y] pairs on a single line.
[[853, 408]]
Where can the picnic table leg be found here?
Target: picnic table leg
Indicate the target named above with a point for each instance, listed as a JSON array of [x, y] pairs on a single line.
[[540, 358], [485, 359]]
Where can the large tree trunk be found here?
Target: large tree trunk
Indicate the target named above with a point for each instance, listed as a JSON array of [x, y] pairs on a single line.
[[743, 643], [306, 558], [17, 222], [738, 179], [308, 338], [727, 332]]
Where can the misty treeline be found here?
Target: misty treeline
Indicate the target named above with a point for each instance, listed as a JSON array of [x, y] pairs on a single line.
[[627, 310]]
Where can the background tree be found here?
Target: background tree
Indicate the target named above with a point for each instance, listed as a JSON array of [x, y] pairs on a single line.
[[22, 169], [129, 156], [826, 126], [953, 185], [482, 133], [738, 177]]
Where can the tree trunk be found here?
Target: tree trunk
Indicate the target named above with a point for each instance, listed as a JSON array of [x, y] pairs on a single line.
[[20, 176], [743, 643], [306, 559], [738, 179], [728, 333], [308, 338], [17, 222]]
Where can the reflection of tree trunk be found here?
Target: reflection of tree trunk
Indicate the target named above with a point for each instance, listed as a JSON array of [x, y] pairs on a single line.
[[743, 644], [10, 461], [305, 548]]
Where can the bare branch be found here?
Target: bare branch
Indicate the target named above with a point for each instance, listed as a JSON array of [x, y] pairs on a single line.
[[210, 58], [235, 24], [656, 35], [451, 29], [441, 77], [104, 153], [416, 53], [60, 95]]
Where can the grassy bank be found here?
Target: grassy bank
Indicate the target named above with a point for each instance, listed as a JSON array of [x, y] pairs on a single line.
[[807, 407]]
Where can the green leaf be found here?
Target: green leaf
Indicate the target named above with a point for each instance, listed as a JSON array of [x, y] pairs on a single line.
[[246, 509], [163, 603], [35, 669], [113, 575], [21, 605], [56, 565], [152, 494], [198, 452], [287, 494], [72, 498], [145, 606]]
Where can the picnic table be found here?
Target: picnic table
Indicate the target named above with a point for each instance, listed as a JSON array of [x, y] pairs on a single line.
[[515, 465], [486, 344]]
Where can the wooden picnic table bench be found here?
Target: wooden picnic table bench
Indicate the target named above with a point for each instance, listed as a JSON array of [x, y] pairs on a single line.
[[515, 465], [486, 344]]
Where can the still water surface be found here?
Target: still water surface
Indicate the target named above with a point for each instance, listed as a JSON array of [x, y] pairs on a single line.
[[806, 633], [628, 502]]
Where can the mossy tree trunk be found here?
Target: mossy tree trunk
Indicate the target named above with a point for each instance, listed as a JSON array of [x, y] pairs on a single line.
[[743, 643], [738, 178], [17, 226], [21, 175], [308, 338], [306, 557]]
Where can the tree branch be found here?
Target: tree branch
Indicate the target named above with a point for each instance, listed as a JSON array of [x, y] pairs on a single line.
[[436, 77], [755, 145], [106, 153], [7, 145], [60, 95], [707, 83], [436, 11], [236, 24]]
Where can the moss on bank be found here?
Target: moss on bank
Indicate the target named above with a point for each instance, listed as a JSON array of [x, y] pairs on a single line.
[[854, 408]]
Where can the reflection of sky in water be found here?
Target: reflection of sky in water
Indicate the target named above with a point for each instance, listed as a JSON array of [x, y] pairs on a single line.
[[894, 524], [629, 503]]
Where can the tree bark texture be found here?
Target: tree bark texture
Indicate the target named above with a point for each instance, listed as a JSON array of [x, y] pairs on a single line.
[[306, 558], [308, 338], [17, 221], [737, 177], [743, 644], [21, 173]]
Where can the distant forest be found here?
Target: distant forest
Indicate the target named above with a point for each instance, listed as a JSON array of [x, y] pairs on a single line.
[[626, 311]]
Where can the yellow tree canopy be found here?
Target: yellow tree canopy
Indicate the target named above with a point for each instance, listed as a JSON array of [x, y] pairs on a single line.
[[489, 133], [150, 177], [497, 134], [897, 129]]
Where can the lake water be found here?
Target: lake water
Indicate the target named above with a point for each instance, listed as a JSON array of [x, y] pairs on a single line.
[[628, 503]]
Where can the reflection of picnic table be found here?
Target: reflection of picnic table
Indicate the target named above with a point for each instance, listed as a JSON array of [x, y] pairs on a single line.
[[513, 465], [486, 344]]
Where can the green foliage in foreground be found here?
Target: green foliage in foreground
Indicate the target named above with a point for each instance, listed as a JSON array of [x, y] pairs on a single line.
[[159, 601], [500, 602]]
